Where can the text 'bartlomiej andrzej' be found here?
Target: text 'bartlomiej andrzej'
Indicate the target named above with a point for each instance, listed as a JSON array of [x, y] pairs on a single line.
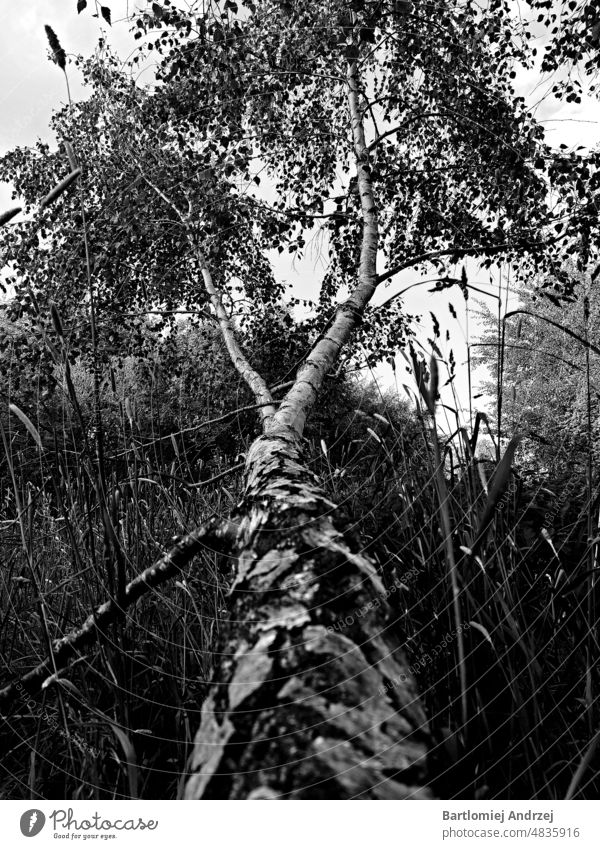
[[499, 816]]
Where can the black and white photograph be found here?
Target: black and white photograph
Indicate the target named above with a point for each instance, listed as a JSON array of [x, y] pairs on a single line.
[[300, 420]]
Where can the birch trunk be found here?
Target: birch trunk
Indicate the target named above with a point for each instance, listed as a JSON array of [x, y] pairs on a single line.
[[312, 696]]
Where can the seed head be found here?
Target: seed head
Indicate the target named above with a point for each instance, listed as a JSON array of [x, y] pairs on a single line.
[[59, 55]]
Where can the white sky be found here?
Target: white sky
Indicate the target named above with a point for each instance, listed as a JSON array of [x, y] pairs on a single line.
[[31, 87]]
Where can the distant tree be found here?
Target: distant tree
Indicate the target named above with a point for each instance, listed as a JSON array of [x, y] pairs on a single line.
[[549, 378]]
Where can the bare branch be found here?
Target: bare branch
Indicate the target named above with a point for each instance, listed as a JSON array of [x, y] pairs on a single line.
[[410, 120], [453, 281], [459, 249], [215, 535], [585, 342], [238, 467], [255, 381], [231, 414]]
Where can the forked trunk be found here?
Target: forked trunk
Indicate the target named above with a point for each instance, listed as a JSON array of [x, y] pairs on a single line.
[[312, 697]]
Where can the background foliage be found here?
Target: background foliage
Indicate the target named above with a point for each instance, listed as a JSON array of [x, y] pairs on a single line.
[[131, 424]]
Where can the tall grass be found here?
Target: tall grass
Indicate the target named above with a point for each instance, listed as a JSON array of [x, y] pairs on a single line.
[[496, 612], [121, 721], [512, 694], [490, 567]]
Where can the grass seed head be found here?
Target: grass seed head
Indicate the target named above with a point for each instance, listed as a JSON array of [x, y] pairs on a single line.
[[58, 54]]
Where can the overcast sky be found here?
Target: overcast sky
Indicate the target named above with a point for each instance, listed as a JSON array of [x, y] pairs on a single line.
[[32, 87]]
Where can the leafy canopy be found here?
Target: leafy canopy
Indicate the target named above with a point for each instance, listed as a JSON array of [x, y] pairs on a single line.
[[242, 148]]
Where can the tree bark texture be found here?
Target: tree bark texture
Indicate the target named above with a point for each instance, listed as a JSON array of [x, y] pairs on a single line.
[[312, 697]]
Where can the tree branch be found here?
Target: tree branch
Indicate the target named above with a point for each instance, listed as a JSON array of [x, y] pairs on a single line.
[[301, 397], [585, 342], [459, 249], [453, 281], [254, 380], [410, 120], [230, 415], [217, 534]]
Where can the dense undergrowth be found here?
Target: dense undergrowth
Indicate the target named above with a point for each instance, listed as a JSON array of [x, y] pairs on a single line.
[[509, 677], [122, 427]]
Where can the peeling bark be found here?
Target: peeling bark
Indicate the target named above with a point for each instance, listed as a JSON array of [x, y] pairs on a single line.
[[312, 697], [301, 397]]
